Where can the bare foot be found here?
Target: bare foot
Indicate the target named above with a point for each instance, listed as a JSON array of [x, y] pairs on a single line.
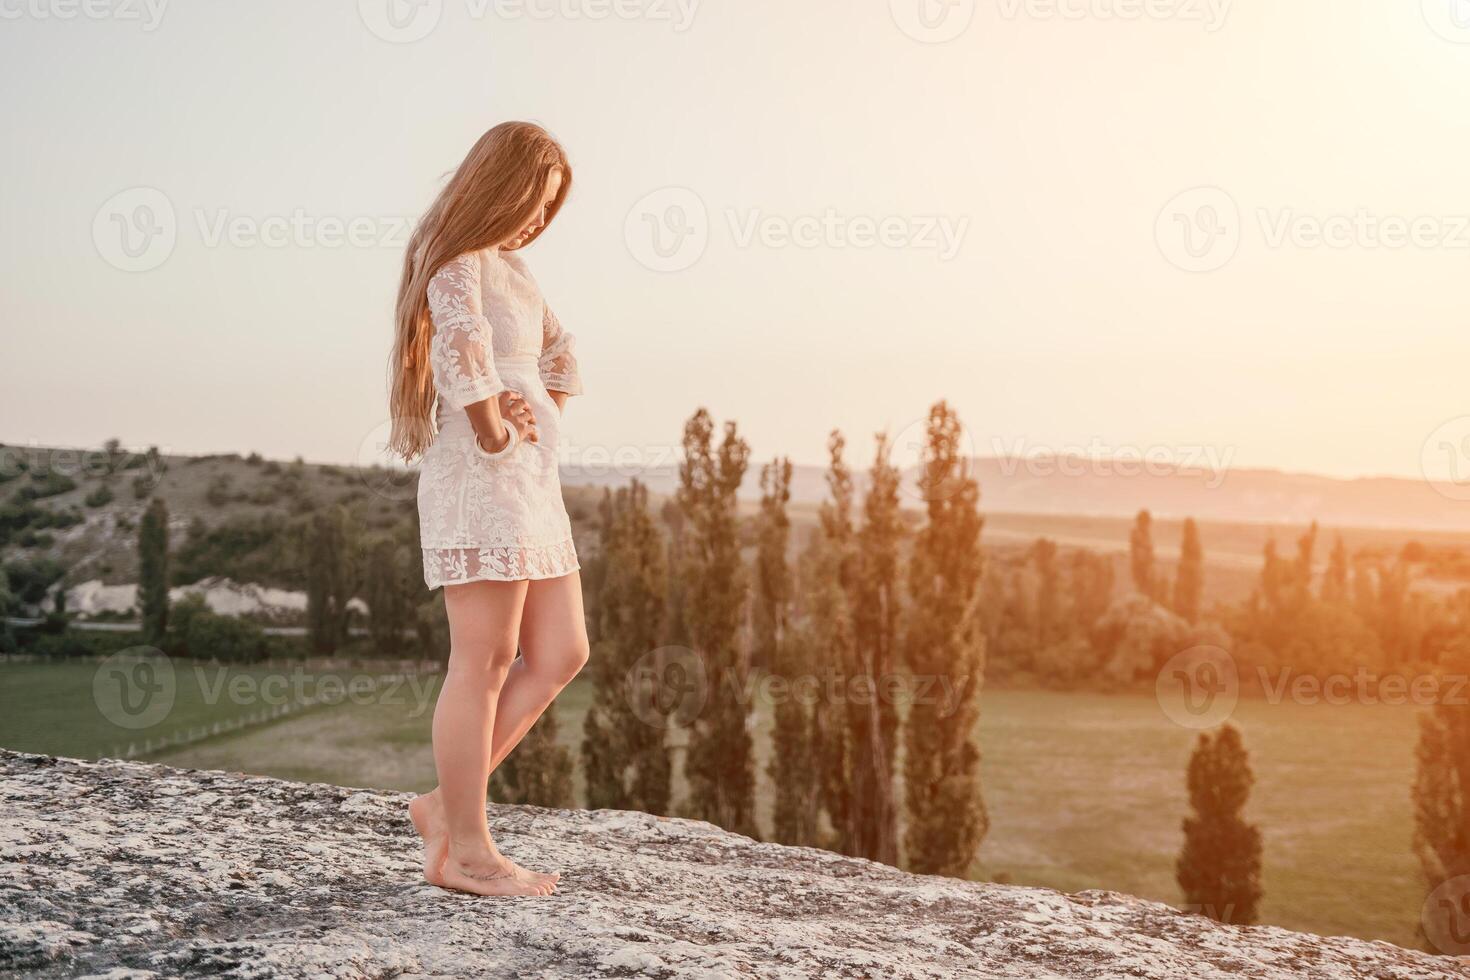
[[428, 819], [427, 814], [488, 873]]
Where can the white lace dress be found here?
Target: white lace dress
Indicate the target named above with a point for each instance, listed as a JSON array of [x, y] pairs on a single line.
[[483, 517]]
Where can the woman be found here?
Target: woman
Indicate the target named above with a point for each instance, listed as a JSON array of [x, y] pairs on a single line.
[[481, 370]]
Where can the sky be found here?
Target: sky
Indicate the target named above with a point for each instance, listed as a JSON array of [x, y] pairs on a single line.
[[1164, 226]]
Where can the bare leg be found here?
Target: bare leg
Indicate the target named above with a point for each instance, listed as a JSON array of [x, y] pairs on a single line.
[[554, 650], [553, 641], [484, 620]]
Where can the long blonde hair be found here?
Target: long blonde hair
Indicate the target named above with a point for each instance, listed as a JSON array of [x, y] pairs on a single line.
[[494, 194]]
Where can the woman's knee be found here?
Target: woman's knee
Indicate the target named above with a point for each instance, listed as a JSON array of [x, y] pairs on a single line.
[[564, 664], [577, 657], [486, 658]]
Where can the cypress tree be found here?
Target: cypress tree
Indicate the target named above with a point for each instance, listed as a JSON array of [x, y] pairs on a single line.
[[153, 571], [625, 751], [7, 604], [772, 570], [1189, 581], [388, 587], [826, 598], [800, 738], [1141, 554], [1219, 868], [785, 654], [719, 766], [1441, 797], [539, 771], [872, 715], [947, 820], [675, 623], [1302, 570], [1335, 583], [331, 578]]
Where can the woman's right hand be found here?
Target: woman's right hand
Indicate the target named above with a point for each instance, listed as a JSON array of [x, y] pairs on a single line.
[[516, 411]]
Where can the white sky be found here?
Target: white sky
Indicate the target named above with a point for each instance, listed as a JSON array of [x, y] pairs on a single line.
[[1053, 142]]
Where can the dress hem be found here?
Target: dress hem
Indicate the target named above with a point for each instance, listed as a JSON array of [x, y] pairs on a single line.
[[495, 578]]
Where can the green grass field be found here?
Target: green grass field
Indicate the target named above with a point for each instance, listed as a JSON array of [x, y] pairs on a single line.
[[1087, 791], [1084, 790], [73, 707]]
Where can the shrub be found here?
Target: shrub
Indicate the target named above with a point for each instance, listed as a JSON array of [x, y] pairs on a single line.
[[75, 643], [246, 549], [224, 638], [16, 517], [180, 615], [219, 492], [31, 579], [43, 485], [100, 497]]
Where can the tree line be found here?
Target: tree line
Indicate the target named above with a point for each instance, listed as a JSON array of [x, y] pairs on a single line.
[[870, 662]]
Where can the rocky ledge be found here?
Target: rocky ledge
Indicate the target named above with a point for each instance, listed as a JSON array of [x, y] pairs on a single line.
[[128, 871]]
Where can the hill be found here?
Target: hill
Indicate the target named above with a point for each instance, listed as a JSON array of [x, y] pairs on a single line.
[[80, 510], [1120, 488]]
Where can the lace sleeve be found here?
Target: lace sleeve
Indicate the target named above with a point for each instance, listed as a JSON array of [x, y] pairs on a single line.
[[557, 362], [460, 353]]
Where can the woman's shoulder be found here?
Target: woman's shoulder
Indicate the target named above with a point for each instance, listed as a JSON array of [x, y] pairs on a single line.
[[465, 262]]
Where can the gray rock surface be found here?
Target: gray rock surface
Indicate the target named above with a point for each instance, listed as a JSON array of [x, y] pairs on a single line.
[[128, 870]]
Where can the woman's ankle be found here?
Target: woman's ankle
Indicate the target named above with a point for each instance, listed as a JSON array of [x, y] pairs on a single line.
[[472, 848]]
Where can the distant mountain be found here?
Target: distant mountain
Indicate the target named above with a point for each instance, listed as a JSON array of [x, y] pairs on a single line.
[[1117, 488]]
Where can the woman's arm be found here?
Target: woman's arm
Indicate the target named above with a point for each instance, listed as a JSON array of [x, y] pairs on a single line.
[[558, 365], [462, 359]]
